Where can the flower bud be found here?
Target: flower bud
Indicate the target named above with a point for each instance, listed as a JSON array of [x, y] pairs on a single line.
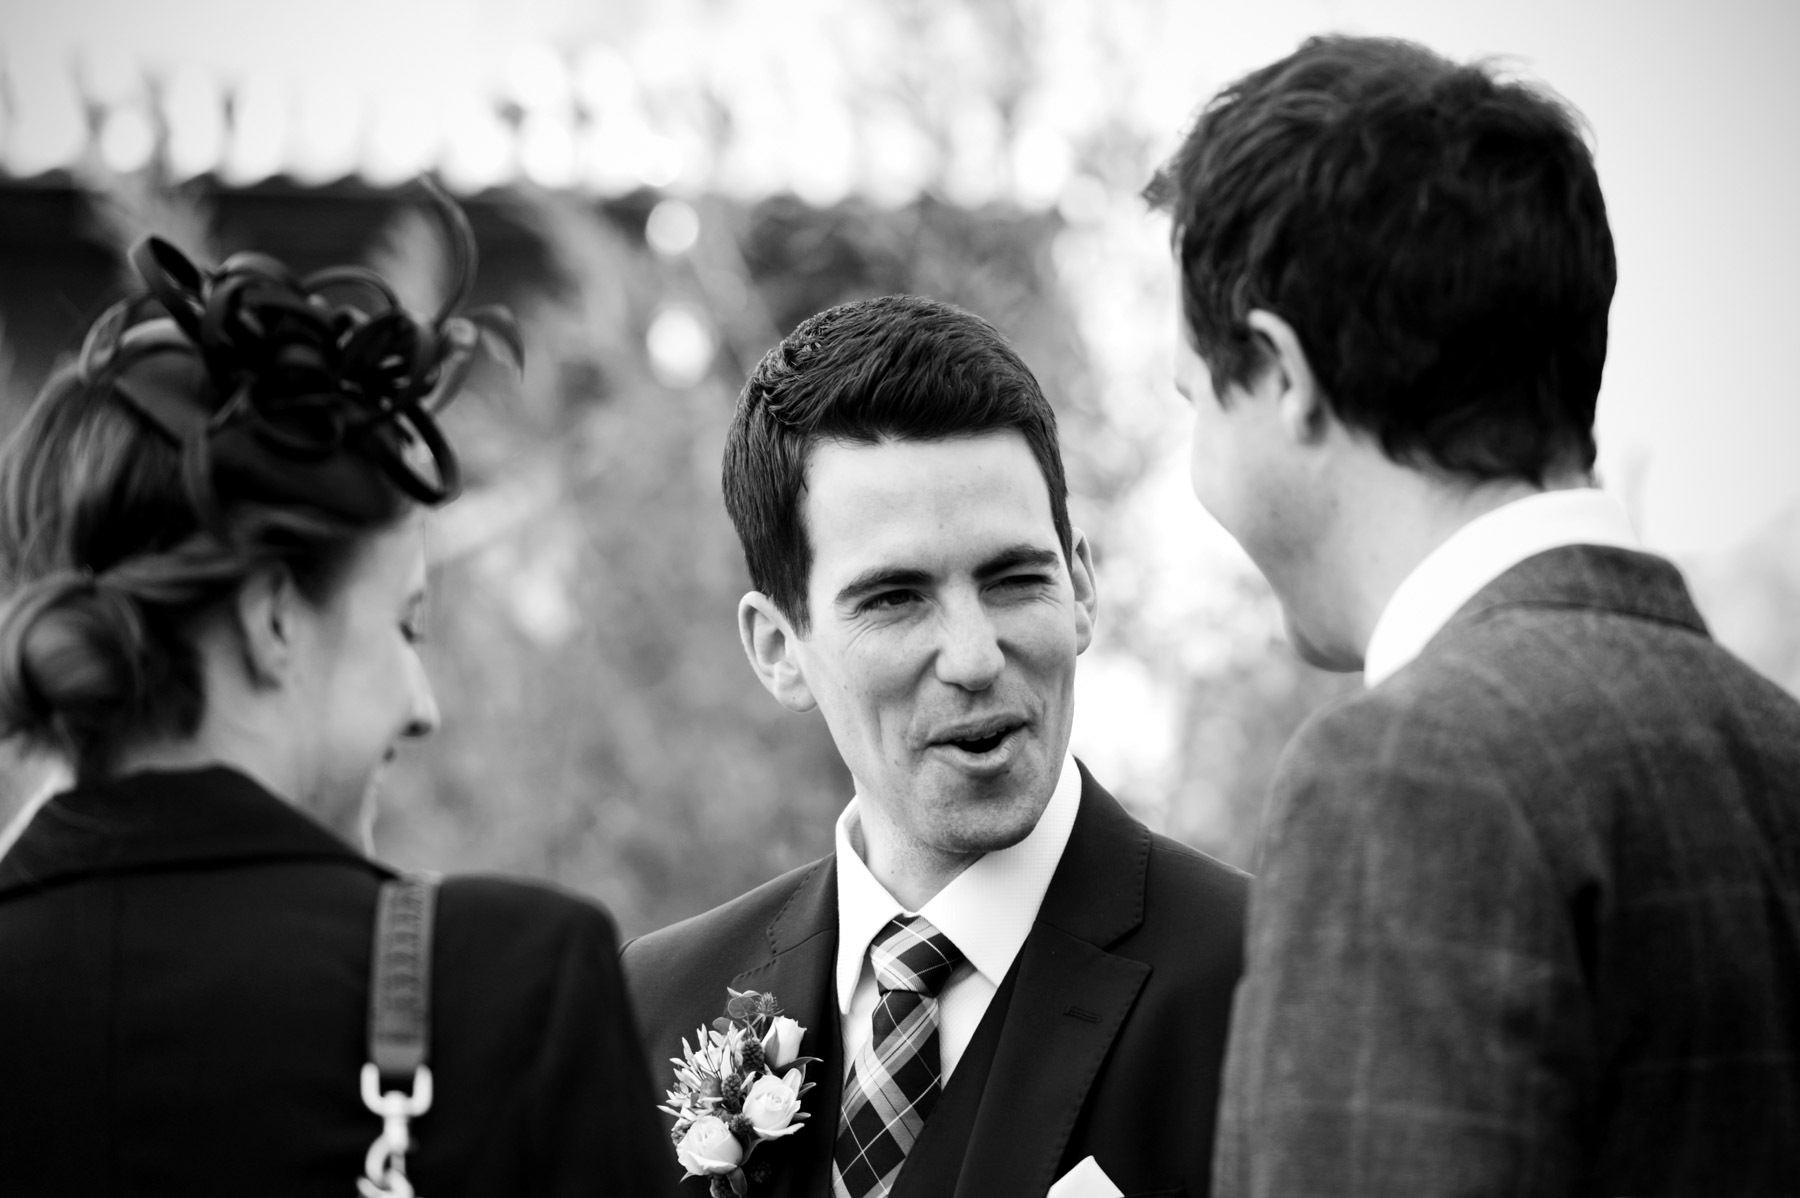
[[781, 1043]]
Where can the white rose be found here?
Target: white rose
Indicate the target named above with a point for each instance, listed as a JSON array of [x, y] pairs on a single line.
[[772, 1104], [709, 1147], [781, 1043]]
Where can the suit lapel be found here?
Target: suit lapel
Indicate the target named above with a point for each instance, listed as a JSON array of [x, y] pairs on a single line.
[[1069, 1001], [803, 937]]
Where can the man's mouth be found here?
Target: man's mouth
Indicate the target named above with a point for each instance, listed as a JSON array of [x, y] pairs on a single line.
[[981, 744], [980, 738]]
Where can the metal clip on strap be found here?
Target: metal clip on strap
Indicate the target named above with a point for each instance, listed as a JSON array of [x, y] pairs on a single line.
[[399, 1029]]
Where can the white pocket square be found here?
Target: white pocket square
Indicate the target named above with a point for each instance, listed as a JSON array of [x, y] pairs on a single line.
[[1086, 1180]]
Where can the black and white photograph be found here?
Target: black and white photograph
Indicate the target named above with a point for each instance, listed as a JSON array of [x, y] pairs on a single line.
[[899, 598]]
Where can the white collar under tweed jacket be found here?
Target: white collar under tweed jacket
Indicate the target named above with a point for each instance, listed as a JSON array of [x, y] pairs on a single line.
[[1479, 552]]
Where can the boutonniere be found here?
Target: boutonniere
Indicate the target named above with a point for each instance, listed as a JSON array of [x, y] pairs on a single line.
[[739, 1087]]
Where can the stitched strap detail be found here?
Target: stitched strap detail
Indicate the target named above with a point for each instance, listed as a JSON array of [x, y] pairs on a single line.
[[400, 978]]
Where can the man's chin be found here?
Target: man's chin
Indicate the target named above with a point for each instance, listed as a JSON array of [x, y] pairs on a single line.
[[993, 840], [989, 818], [1318, 652]]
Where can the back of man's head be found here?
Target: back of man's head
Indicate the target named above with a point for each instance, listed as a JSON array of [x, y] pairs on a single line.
[[1434, 234], [900, 368]]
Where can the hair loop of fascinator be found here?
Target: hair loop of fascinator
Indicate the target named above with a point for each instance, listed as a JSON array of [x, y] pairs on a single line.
[[278, 387]]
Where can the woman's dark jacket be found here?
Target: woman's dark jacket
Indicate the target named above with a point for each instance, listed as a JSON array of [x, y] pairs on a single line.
[[184, 972]]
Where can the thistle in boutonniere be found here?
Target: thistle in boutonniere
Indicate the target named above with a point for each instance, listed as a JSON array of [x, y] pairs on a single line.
[[739, 1087]]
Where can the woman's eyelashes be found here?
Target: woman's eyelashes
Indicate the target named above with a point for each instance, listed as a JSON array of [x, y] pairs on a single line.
[[412, 624]]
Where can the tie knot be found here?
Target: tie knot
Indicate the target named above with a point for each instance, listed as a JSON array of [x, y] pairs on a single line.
[[911, 955]]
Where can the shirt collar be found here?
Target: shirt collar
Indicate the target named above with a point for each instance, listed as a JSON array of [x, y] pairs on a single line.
[[986, 911], [1479, 552]]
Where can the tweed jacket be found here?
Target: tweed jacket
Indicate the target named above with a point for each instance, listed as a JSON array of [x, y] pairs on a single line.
[[184, 979], [1106, 1039], [1527, 920]]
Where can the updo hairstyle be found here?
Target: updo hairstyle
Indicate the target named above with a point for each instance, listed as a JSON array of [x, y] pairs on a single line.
[[215, 423]]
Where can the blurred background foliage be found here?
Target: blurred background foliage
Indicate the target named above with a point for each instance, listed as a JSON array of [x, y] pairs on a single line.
[[660, 196]]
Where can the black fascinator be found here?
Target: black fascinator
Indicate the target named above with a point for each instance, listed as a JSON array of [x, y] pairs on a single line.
[[278, 388]]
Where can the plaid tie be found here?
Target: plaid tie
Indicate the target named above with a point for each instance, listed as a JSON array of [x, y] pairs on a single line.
[[893, 1083]]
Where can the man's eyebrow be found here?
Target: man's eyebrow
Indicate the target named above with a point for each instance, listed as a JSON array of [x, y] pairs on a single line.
[[1013, 557], [878, 578]]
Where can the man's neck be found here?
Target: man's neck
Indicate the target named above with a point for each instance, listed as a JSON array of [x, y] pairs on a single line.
[[1394, 523], [912, 874]]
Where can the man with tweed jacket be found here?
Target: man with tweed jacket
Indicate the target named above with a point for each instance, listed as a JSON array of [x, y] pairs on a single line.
[[1527, 917]]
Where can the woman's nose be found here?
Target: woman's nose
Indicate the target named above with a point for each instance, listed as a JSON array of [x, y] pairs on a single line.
[[423, 719]]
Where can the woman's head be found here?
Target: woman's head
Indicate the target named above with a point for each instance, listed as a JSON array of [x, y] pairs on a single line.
[[214, 508]]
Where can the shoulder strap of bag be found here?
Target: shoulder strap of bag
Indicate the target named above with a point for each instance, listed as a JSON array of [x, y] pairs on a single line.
[[400, 978], [399, 1028]]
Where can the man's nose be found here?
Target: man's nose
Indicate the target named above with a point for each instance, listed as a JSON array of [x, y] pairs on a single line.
[[969, 655]]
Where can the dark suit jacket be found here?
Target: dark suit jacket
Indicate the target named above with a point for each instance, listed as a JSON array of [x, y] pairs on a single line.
[[184, 970], [1110, 1044], [1528, 915]]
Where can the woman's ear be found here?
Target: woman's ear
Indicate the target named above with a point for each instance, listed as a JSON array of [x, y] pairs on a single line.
[[267, 613], [774, 651], [1300, 401]]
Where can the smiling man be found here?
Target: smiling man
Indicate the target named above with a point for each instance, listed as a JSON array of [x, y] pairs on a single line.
[[1003, 973]]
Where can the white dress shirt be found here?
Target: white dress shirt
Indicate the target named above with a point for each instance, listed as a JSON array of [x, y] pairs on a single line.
[[986, 911], [1479, 552]]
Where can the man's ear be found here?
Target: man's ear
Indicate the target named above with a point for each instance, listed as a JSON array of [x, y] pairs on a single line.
[[1300, 401], [771, 645], [1087, 595], [266, 610]]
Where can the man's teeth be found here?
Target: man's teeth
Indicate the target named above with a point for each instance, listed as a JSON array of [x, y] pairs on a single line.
[[982, 744]]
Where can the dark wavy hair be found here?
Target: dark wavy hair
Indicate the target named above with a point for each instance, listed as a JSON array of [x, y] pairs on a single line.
[[1434, 233], [899, 368], [215, 424]]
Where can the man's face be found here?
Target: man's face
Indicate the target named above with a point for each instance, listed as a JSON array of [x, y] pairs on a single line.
[[945, 623], [1252, 474], [1229, 463]]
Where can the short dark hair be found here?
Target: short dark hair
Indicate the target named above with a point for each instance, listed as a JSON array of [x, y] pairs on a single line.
[[1433, 232], [897, 368]]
